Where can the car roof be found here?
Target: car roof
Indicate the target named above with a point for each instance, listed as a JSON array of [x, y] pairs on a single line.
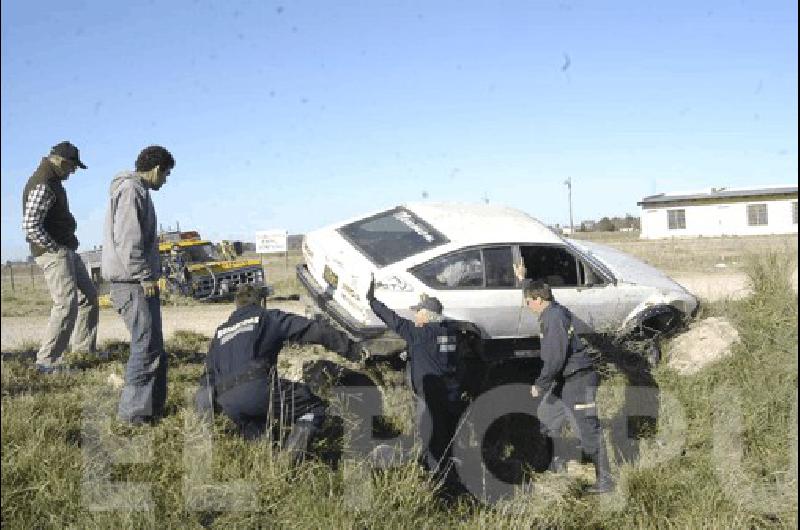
[[478, 223]]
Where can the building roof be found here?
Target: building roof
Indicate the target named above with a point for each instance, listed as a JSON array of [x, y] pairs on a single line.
[[718, 193]]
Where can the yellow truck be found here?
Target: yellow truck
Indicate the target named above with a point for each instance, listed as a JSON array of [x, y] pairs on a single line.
[[196, 267]]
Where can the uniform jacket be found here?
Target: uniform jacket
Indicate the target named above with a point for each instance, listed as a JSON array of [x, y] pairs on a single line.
[[252, 337], [562, 352], [130, 234], [431, 348], [47, 221]]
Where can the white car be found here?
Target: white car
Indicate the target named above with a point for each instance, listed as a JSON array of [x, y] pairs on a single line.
[[463, 254]]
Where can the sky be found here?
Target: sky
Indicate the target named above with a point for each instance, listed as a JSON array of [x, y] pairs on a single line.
[[297, 114]]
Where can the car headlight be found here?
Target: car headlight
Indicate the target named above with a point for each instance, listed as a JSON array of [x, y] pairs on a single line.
[[393, 283]]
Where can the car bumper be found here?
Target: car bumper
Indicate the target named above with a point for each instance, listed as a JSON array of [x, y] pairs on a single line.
[[324, 300]]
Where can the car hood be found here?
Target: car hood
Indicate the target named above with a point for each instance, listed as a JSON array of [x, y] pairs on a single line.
[[626, 268]]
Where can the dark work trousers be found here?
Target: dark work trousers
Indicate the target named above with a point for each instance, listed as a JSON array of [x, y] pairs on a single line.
[[573, 399], [255, 403], [437, 420], [145, 390]]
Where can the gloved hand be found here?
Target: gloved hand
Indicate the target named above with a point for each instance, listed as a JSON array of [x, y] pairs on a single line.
[[371, 290], [150, 288]]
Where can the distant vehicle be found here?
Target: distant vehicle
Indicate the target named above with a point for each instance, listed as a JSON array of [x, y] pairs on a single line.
[[463, 254], [196, 267]]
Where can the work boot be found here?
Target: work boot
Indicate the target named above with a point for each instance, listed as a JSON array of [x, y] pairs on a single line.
[[296, 443], [604, 482], [560, 452]]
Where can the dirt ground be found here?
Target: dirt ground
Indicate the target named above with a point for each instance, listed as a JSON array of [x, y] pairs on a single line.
[[715, 286], [19, 331]]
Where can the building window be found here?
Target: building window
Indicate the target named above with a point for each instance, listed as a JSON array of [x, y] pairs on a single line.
[[757, 214], [794, 213], [676, 219]]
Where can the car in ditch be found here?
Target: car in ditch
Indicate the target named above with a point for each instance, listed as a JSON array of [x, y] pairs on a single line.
[[464, 254]]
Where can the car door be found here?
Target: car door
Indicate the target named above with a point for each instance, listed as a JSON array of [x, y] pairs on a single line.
[[587, 292], [477, 285]]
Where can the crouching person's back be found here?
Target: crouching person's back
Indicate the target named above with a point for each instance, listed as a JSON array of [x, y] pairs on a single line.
[[241, 379]]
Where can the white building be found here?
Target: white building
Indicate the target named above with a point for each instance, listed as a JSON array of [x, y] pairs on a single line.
[[720, 211]]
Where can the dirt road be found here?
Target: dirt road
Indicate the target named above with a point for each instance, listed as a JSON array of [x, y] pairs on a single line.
[[19, 331], [27, 331], [716, 286]]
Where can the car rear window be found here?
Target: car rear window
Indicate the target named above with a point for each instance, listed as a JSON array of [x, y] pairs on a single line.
[[391, 236]]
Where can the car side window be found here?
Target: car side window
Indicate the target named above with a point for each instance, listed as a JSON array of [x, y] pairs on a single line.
[[498, 262], [462, 269], [551, 264]]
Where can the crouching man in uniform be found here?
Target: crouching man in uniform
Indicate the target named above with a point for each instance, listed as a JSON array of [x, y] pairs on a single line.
[[567, 384], [241, 379], [432, 360]]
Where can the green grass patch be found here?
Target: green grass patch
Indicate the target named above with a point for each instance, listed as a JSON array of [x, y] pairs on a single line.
[[48, 456]]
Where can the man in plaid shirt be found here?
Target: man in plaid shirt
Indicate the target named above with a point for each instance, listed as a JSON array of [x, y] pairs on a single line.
[[50, 229]]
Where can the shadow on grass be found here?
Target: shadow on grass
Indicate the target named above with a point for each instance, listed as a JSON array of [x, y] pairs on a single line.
[[639, 415], [19, 376]]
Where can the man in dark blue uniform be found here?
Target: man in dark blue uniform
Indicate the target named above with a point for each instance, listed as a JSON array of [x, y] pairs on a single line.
[[241, 379], [567, 384], [432, 362]]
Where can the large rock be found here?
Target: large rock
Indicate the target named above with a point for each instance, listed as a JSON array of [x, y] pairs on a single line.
[[705, 342]]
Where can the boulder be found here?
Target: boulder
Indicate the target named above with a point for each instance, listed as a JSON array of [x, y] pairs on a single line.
[[705, 342]]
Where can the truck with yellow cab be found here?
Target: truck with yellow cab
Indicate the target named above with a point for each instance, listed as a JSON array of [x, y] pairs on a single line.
[[196, 267]]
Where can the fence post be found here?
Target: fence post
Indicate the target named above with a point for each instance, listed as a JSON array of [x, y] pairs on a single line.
[[32, 283], [11, 270]]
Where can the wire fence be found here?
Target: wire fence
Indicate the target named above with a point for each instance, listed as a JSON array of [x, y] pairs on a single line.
[[18, 275]]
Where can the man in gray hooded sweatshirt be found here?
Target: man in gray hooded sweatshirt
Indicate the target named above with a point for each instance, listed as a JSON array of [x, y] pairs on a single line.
[[130, 261]]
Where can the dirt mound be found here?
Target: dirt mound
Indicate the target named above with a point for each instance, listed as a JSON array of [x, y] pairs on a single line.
[[706, 342]]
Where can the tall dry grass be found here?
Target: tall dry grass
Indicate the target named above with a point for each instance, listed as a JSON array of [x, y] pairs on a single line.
[[45, 462]]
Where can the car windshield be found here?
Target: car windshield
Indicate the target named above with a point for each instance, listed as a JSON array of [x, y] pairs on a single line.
[[202, 253], [391, 236]]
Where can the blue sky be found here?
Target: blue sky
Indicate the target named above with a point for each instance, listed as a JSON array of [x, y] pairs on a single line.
[[296, 114]]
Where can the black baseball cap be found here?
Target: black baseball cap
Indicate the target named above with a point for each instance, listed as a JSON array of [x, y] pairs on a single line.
[[430, 303], [68, 151]]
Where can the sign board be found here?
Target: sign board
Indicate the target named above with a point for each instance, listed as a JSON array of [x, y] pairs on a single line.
[[270, 241]]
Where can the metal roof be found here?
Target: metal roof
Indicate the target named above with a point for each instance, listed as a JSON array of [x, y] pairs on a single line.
[[721, 193]]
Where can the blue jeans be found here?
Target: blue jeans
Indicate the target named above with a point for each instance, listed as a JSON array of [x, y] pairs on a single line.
[[145, 390]]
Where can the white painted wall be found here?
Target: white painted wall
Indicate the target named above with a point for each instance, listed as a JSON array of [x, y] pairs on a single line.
[[718, 219]]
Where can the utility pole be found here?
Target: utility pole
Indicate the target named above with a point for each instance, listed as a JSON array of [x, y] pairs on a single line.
[[568, 182]]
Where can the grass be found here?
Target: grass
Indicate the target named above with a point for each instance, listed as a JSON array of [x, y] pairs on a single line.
[[677, 478], [700, 254], [28, 296]]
